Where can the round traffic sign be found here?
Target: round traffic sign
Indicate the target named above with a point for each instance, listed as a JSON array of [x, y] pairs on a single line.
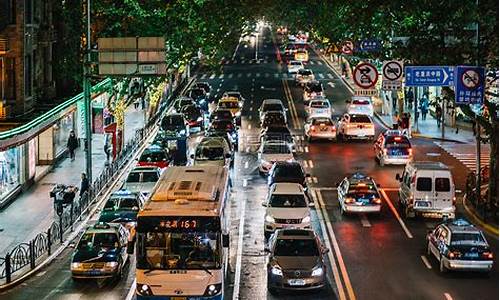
[[365, 75], [471, 79], [348, 47], [392, 70]]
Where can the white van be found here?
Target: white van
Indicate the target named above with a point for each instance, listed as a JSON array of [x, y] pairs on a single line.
[[427, 189], [212, 151]]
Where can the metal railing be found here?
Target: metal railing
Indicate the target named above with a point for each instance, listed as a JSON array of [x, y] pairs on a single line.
[[487, 211], [25, 256]]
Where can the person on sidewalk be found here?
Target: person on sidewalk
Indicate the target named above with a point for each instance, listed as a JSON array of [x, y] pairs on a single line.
[[72, 144], [424, 107], [439, 115], [409, 99], [84, 185]]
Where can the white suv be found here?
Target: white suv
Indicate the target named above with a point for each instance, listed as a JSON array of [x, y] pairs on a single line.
[[286, 207]]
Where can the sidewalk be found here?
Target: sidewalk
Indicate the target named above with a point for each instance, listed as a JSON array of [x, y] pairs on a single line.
[[32, 212], [426, 129]]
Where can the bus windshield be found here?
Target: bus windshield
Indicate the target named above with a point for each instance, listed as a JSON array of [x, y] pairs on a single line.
[[179, 250]]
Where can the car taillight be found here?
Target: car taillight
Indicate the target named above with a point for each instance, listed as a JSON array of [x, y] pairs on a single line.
[[349, 200], [385, 151], [488, 255], [313, 128], [410, 151], [454, 200], [377, 200], [333, 129], [454, 254]]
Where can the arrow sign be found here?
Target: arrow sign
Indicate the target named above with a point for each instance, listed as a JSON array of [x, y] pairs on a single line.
[[429, 76]]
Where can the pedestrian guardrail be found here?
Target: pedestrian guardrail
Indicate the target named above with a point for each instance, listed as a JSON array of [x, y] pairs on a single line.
[[26, 256]]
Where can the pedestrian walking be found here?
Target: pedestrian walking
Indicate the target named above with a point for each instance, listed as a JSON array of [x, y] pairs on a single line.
[[72, 144], [84, 185], [439, 115], [424, 107], [409, 98]]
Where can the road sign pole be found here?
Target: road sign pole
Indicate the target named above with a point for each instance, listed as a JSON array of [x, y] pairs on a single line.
[[415, 108], [87, 102], [478, 160], [442, 116]]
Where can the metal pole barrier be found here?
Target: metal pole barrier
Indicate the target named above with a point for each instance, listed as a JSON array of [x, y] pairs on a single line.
[[442, 116], [478, 161]]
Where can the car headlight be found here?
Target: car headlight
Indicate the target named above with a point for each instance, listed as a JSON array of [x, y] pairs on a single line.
[[76, 265], [213, 289], [144, 290], [199, 119], [238, 114], [318, 271], [276, 270], [111, 264], [269, 219], [306, 219]]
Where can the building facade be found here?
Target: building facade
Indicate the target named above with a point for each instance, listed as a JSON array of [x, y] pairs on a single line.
[[27, 38]]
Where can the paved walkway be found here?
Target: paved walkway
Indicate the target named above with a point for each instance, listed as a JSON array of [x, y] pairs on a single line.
[[426, 129], [32, 212]]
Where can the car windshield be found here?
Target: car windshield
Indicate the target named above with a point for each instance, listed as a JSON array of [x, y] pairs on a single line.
[[276, 149], [360, 119], [176, 250], [274, 118], [461, 238], [305, 72], [322, 122], [296, 247], [229, 104], [397, 142], [209, 153], [289, 171], [315, 88], [272, 106], [360, 102], [153, 156], [362, 188], [121, 203], [319, 104], [98, 240], [284, 200]]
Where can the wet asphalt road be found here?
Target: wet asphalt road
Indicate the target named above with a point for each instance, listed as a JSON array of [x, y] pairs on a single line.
[[371, 257]]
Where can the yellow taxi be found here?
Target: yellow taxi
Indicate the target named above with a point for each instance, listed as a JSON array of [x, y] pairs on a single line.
[[302, 55], [232, 104]]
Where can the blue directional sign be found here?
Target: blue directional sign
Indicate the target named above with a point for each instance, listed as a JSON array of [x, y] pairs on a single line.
[[429, 76], [369, 45], [469, 84]]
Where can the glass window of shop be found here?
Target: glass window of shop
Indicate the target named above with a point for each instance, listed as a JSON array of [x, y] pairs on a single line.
[[10, 167], [62, 128]]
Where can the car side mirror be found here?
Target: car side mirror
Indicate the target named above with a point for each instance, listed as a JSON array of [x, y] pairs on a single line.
[[398, 177], [225, 240]]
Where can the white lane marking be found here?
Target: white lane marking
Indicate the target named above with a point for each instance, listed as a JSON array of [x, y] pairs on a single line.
[[251, 108], [218, 90], [266, 75], [239, 252], [242, 61], [257, 74], [249, 74], [245, 182], [249, 126], [336, 247], [230, 76], [221, 76], [246, 165], [315, 179], [311, 164], [364, 221], [306, 149], [395, 212], [336, 275], [212, 76], [252, 89], [250, 62], [447, 296], [236, 50], [329, 75], [41, 274], [311, 62], [276, 75], [239, 75], [321, 75], [284, 75], [426, 261], [131, 292], [319, 62], [250, 117], [203, 76]]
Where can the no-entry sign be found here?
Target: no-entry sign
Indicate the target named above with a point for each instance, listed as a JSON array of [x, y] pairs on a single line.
[[365, 75]]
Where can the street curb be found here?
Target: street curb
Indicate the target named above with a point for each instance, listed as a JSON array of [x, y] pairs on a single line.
[[84, 223], [470, 211]]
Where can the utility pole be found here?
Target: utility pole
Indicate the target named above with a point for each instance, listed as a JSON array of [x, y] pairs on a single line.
[[87, 100]]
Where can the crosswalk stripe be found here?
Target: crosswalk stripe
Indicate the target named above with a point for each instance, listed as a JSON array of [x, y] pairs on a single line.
[[212, 76], [203, 76], [221, 76], [319, 62], [329, 75], [230, 75], [321, 75], [266, 75], [276, 75], [257, 74], [311, 62], [284, 75], [249, 74], [240, 75]]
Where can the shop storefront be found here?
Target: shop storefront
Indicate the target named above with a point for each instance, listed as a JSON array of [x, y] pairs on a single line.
[[10, 170]]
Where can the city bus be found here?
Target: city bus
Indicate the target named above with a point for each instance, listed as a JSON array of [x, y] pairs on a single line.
[[182, 243]]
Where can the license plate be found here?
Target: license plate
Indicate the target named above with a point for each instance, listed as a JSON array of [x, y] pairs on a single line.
[[323, 128], [94, 272], [178, 298], [423, 203], [361, 135], [296, 282], [472, 254]]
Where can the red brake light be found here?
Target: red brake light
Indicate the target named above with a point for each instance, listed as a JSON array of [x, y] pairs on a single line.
[[488, 255], [313, 128], [377, 200], [398, 138], [410, 151]]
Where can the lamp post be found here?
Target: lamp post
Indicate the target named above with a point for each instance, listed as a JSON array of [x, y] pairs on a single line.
[[87, 100]]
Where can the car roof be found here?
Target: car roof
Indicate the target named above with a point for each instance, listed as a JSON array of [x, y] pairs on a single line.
[[145, 169], [212, 141], [102, 227], [429, 165], [393, 132], [461, 226], [359, 178], [272, 101], [293, 234], [287, 188], [287, 164]]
